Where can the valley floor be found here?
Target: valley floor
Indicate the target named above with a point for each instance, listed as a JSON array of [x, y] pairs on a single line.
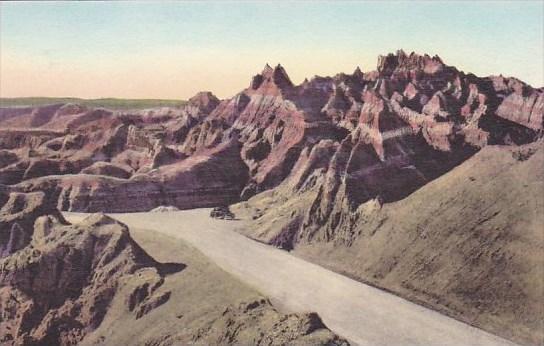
[[361, 313]]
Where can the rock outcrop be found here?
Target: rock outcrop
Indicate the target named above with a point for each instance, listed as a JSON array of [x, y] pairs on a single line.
[[57, 280], [258, 323], [213, 177], [406, 123], [18, 211], [108, 169]]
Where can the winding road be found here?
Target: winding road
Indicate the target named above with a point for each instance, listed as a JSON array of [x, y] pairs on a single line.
[[360, 313]]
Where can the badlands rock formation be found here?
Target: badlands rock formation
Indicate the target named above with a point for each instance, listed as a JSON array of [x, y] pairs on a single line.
[[57, 280], [17, 214], [468, 244], [67, 284], [326, 164], [406, 123]]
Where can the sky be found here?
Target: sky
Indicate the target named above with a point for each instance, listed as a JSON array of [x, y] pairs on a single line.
[[172, 50]]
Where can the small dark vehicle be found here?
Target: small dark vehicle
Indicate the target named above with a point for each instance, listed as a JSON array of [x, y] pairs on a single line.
[[222, 213]]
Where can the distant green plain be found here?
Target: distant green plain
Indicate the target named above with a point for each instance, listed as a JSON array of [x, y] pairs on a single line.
[[111, 103]]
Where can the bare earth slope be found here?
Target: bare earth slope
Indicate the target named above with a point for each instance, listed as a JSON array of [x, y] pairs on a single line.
[[207, 306], [362, 314], [468, 244]]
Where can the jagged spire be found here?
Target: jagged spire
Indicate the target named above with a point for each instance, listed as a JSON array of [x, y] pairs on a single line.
[[391, 62], [276, 76], [281, 78], [358, 73], [267, 70]]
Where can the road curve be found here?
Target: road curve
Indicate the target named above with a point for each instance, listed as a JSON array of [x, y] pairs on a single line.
[[360, 313]]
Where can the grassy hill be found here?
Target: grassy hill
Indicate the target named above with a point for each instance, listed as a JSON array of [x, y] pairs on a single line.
[[112, 103]]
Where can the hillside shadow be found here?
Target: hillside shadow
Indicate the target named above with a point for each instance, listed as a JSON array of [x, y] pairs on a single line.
[[169, 268]]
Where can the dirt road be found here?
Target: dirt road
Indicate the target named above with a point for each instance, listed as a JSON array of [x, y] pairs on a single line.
[[361, 313]]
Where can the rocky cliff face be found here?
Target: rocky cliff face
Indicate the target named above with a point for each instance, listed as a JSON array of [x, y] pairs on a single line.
[[213, 177], [57, 280], [394, 130], [398, 128], [17, 214]]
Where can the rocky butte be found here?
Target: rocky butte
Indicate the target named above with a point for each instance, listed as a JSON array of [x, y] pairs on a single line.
[[415, 177]]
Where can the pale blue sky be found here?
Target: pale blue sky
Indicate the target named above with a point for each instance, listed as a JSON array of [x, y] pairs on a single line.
[[174, 49]]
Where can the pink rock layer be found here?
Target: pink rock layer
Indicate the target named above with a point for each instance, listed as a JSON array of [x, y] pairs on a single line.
[[393, 130]]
